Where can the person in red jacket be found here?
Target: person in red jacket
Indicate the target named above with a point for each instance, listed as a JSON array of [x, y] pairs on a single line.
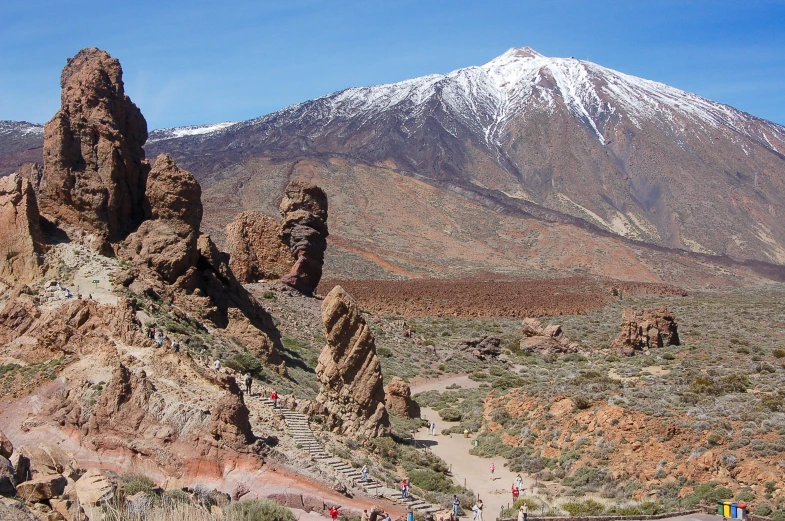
[[515, 492], [334, 509], [274, 398]]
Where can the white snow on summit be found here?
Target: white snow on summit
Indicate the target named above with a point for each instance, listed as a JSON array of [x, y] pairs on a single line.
[[20, 127], [193, 130], [487, 97]]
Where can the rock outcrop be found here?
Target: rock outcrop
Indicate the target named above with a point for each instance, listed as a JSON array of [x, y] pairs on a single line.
[[173, 260], [255, 250], [21, 240], [398, 399], [548, 339], [124, 404], [643, 330], [94, 165], [481, 349], [352, 388], [6, 447], [33, 172], [7, 478], [304, 229], [230, 419]]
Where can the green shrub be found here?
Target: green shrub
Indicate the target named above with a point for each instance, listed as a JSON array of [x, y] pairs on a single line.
[[778, 353], [431, 481], [779, 515], [746, 495], [450, 415], [269, 295], [589, 507], [581, 402], [669, 356], [135, 483], [244, 363], [258, 510], [383, 352], [763, 509]]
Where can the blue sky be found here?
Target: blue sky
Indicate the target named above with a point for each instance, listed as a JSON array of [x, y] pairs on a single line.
[[194, 62]]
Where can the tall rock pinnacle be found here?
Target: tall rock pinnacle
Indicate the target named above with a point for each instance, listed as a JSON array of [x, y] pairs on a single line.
[[94, 165]]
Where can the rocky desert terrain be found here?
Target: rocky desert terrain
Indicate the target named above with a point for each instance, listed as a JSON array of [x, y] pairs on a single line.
[[616, 378]]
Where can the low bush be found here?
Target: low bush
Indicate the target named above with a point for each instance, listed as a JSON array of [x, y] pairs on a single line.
[[431, 481], [244, 363], [450, 415], [258, 510], [135, 483], [383, 352], [589, 507]]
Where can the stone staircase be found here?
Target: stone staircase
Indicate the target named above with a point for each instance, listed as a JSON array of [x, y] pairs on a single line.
[[298, 427]]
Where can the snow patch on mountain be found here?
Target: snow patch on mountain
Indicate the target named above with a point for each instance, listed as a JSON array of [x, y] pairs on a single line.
[[21, 128], [193, 130], [486, 98]]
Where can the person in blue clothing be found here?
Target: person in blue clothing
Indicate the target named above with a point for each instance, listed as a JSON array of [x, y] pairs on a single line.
[[455, 504]]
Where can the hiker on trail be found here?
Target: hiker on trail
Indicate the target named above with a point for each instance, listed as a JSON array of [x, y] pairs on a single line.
[[387, 516], [176, 347], [334, 512], [479, 510], [493, 468], [404, 487], [274, 398], [365, 517], [433, 429], [374, 515], [217, 365], [519, 482], [159, 337], [248, 382], [525, 512], [456, 503], [520, 513], [364, 472], [515, 492]]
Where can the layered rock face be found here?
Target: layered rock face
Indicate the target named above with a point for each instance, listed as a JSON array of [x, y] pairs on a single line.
[[482, 348], [550, 339], [21, 241], [255, 250], [352, 388], [398, 398], [304, 229], [642, 330], [94, 165], [230, 419]]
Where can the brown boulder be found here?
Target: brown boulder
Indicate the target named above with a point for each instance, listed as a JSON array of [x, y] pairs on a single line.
[[173, 194], [482, 348], [643, 330], [255, 251], [95, 489], [547, 339], [398, 399], [352, 388], [41, 489], [167, 247], [304, 229], [123, 406], [49, 460], [21, 240], [94, 165], [7, 478], [230, 421], [12, 510], [6, 447], [33, 172]]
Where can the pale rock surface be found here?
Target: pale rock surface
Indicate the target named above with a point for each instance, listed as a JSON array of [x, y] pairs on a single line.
[[21, 240], [94, 165], [41, 489], [6, 447], [352, 388], [548, 339], [255, 250], [398, 399]]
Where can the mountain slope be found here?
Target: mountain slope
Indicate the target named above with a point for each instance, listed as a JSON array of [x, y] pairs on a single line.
[[631, 156], [551, 141]]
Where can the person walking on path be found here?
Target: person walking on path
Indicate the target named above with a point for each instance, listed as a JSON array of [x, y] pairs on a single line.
[[493, 469], [456, 503], [274, 398], [334, 512], [519, 482], [217, 365], [365, 517], [248, 383], [475, 512], [515, 492], [525, 511], [404, 488], [364, 472], [520, 513]]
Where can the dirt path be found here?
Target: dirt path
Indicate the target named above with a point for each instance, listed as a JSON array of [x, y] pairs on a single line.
[[467, 469], [471, 471]]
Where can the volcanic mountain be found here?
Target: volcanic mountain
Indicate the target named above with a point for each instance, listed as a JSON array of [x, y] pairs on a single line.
[[524, 164]]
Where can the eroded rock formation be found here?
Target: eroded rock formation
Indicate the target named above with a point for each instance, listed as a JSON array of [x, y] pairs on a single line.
[[33, 172], [94, 165], [21, 240], [229, 419], [304, 229], [643, 330], [482, 348], [398, 399], [352, 388], [255, 250], [548, 339]]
